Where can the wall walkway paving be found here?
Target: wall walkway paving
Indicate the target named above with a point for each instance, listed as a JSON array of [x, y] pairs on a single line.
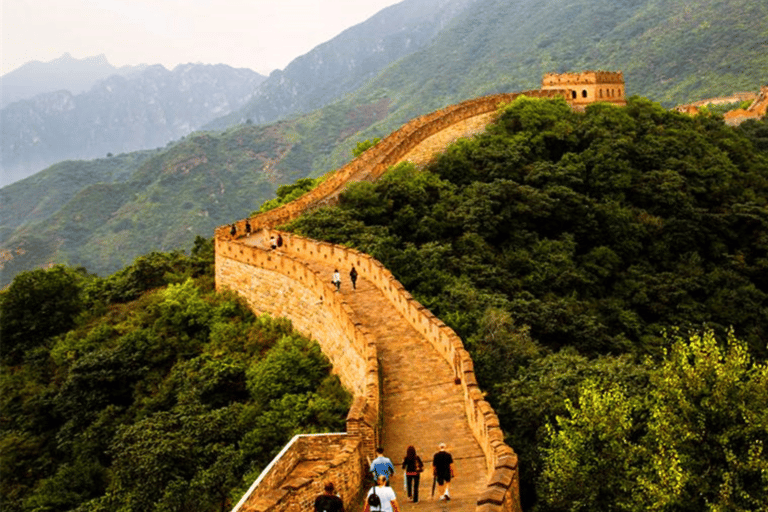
[[422, 405]]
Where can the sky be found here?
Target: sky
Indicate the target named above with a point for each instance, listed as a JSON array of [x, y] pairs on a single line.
[[262, 35]]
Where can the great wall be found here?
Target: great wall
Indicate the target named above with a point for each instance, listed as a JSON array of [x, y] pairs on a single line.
[[412, 380], [757, 108]]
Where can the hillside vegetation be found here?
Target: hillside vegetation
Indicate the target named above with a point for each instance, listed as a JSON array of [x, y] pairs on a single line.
[[147, 391], [608, 272], [105, 213]]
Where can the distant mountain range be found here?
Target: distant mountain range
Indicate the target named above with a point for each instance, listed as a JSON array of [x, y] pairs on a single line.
[[63, 74], [407, 60], [132, 111], [348, 62]]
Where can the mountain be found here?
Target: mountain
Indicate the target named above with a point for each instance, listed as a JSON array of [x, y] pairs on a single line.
[[63, 74], [101, 214], [118, 114], [348, 61], [669, 51]]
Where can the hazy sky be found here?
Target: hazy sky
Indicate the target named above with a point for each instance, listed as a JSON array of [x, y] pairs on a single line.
[[259, 34]]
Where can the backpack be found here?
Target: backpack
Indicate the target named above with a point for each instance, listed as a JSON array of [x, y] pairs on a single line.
[[373, 499]]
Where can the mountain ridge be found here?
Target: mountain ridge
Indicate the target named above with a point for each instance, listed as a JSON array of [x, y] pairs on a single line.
[[469, 58], [118, 114]]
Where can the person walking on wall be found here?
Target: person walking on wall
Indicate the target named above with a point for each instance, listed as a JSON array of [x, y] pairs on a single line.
[[353, 278], [387, 499], [279, 240], [442, 468], [233, 231], [272, 243], [247, 228], [413, 467], [329, 501], [381, 465], [336, 279]]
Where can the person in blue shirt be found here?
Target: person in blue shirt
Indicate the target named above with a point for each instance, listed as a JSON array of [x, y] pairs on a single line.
[[381, 465]]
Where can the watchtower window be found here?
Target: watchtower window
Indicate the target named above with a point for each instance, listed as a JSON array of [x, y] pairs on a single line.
[[584, 93], [601, 93], [573, 95]]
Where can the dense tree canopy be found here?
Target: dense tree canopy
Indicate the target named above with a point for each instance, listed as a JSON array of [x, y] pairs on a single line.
[[565, 244], [147, 390]]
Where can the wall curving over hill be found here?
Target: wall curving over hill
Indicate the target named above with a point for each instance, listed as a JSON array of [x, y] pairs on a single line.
[[282, 282]]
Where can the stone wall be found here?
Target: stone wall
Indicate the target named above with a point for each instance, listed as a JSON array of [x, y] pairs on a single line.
[[502, 493], [375, 162], [588, 86], [280, 284], [322, 457], [277, 282], [756, 110]]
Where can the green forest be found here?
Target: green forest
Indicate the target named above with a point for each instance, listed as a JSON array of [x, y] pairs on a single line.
[[608, 272], [147, 390]]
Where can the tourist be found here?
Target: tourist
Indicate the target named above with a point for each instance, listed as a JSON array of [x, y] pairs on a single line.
[[329, 501], [385, 497], [353, 278], [381, 465], [442, 468], [336, 279], [413, 467]]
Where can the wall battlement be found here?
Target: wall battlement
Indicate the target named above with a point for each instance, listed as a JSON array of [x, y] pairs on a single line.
[[588, 86]]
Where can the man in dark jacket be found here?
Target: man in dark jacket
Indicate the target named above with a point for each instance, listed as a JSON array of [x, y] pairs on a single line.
[[328, 501]]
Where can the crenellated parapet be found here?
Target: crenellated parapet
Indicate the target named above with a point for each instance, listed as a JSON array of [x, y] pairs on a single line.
[[588, 86]]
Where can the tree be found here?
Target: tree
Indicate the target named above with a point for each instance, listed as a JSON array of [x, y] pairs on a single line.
[[39, 304], [694, 442], [707, 428], [590, 460], [364, 145]]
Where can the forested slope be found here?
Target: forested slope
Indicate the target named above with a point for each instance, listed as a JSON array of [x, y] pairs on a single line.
[[608, 272], [147, 390]]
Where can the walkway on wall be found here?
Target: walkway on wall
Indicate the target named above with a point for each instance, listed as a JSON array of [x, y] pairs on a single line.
[[422, 404]]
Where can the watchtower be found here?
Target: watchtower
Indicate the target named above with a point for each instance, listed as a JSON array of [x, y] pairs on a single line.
[[587, 87]]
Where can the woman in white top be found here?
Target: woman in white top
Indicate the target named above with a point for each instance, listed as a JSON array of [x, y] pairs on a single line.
[[386, 496]]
